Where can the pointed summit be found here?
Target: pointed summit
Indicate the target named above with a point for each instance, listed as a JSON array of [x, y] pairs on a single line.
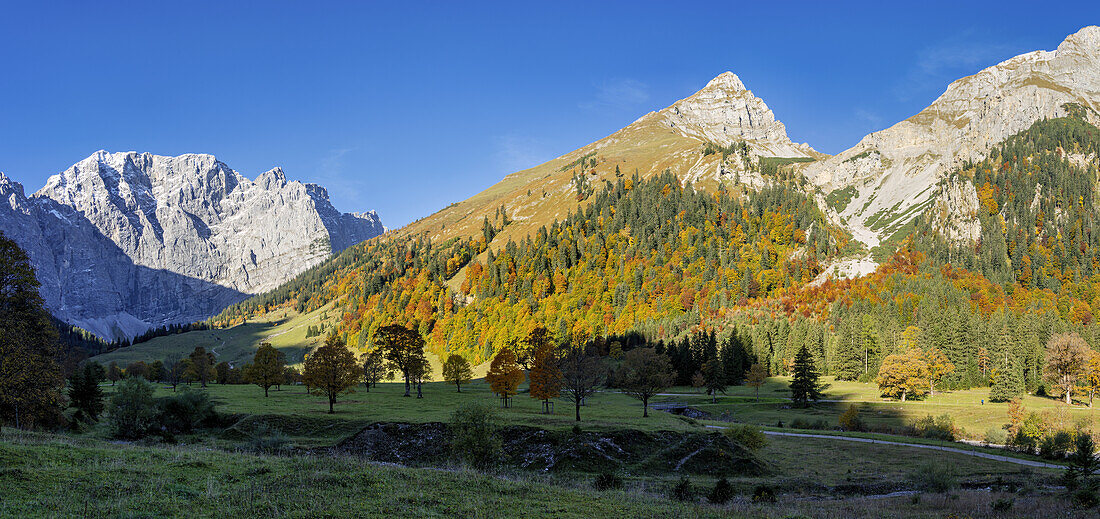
[[725, 112], [727, 81]]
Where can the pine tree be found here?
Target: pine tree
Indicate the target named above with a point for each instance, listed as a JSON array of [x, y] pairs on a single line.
[[84, 393], [805, 385]]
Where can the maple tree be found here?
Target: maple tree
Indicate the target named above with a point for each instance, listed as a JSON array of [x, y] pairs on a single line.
[[904, 375], [545, 374], [504, 376], [267, 368], [332, 369], [643, 374], [456, 370], [1066, 357]]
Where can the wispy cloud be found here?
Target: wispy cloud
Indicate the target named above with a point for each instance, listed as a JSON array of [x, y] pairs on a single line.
[[514, 153], [618, 93], [871, 121], [938, 65], [346, 188]]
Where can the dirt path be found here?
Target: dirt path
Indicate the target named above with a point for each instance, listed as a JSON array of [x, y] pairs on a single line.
[[995, 457]]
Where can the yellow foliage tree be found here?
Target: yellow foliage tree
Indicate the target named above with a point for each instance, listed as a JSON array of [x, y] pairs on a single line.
[[505, 375], [545, 375], [903, 375], [938, 366]]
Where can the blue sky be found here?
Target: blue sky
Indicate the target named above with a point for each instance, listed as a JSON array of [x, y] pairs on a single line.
[[405, 107]]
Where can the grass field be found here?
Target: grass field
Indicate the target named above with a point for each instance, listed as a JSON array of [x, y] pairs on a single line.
[[965, 407], [46, 475], [285, 330]]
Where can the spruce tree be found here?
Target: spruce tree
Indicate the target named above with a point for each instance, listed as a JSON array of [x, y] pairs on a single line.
[[1008, 383], [805, 385]]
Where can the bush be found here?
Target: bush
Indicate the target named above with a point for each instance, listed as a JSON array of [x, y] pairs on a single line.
[[721, 493], [996, 436], [939, 428], [132, 409], [1003, 504], [185, 411], [267, 440], [849, 420], [934, 477], [474, 435], [1057, 445], [749, 436], [763, 494], [683, 491], [607, 481]]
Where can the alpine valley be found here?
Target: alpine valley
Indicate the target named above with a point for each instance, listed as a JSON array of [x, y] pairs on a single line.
[[736, 324]]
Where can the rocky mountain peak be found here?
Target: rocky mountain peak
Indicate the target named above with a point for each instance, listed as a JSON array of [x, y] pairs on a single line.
[[126, 241], [725, 112], [893, 171], [727, 82]]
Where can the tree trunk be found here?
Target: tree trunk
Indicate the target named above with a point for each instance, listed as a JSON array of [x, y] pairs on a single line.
[[265, 392], [331, 401], [903, 396], [459, 386], [419, 394], [645, 407], [407, 385], [578, 402], [1069, 398]]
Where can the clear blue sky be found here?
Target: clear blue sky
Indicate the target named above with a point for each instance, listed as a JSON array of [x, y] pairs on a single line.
[[405, 107]]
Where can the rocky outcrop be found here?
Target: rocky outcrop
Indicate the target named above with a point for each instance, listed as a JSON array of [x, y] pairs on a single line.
[[126, 241], [725, 112], [895, 170]]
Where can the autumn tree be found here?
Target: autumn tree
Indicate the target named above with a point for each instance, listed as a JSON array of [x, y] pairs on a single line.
[[643, 374], [332, 369], [755, 377], [267, 367], [403, 349], [374, 367], [175, 369], [202, 365], [420, 372], [938, 366], [545, 375], [805, 383], [30, 375], [456, 370], [582, 374], [538, 337], [1091, 375], [138, 369], [504, 376], [903, 375], [1067, 356], [114, 373]]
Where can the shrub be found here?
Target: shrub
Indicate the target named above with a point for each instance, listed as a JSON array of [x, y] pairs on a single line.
[[607, 481], [939, 428], [749, 436], [763, 494], [133, 411], [1003, 504], [996, 436], [185, 411], [683, 491], [721, 493], [267, 440], [474, 435], [1057, 445], [934, 477], [849, 420]]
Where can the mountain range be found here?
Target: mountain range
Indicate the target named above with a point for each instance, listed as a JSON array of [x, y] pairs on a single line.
[[125, 242]]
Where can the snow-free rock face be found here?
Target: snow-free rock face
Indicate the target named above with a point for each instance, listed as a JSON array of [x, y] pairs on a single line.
[[725, 112], [895, 170], [126, 241]]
